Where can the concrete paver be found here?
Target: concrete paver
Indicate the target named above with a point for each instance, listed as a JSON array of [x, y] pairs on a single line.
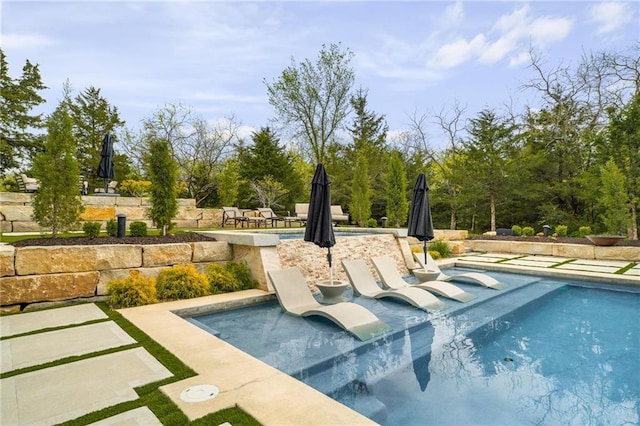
[[141, 416], [32, 321], [524, 262], [591, 268], [67, 391], [35, 349]]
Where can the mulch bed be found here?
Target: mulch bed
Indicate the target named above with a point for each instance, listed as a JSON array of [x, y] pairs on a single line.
[[561, 240], [75, 241]]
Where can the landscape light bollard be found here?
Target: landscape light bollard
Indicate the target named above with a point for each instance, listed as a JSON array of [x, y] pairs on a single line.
[[383, 221], [545, 230], [122, 225]]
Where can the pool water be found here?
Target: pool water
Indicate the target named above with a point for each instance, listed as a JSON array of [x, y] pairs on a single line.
[[540, 352]]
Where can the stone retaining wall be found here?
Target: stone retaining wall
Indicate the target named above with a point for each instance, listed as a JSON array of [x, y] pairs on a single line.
[[16, 209], [43, 274]]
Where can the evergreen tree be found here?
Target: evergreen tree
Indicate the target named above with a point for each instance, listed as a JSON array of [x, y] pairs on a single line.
[[228, 182], [163, 173], [57, 203], [397, 204], [369, 134], [93, 117], [19, 97], [614, 199], [360, 206], [267, 158]]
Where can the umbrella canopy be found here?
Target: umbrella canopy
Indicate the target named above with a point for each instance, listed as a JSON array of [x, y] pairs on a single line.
[[420, 224], [105, 168], [319, 228]]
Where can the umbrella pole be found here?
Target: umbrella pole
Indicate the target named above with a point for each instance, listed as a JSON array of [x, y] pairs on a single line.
[[424, 249], [330, 268]]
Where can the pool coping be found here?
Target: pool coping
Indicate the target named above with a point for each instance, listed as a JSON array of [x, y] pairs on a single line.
[[269, 395]]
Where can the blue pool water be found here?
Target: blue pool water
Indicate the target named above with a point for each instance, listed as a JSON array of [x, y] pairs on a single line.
[[543, 351]]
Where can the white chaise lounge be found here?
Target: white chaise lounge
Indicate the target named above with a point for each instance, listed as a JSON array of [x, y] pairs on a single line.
[[474, 277], [296, 299], [391, 278], [365, 285]]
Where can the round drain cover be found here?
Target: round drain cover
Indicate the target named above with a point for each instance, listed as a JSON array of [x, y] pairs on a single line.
[[199, 393]]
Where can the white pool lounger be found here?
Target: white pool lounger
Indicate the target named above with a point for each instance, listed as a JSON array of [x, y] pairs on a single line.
[[365, 284], [296, 299], [475, 277]]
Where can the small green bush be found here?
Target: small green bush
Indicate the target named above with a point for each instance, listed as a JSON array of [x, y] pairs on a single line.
[[561, 230], [241, 271], [440, 246], [138, 229], [91, 229], [181, 282], [221, 279], [517, 230], [583, 231], [112, 228], [528, 231], [134, 290], [372, 223]]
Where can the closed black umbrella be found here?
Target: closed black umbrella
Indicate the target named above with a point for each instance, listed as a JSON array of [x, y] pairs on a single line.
[[105, 168], [319, 228], [420, 224]]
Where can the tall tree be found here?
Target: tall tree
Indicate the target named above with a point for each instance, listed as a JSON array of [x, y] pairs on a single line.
[[228, 182], [369, 134], [488, 160], [57, 203], [614, 199], [396, 184], [360, 206], [312, 99], [267, 158], [17, 122], [162, 169], [93, 117]]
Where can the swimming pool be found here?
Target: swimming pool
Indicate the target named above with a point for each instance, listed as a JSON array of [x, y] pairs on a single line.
[[540, 352]]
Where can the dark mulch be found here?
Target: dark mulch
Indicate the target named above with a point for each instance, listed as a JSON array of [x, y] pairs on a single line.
[[187, 237], [562, 240]]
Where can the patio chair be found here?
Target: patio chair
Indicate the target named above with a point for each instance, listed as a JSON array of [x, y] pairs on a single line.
[[27, 184], [270, 215], [337, 215], [474, 277], [302, 212], [365, 285], [296, 299], [233, 214]]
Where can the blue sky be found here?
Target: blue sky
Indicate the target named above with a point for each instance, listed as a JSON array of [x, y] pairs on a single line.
[[413, 57]]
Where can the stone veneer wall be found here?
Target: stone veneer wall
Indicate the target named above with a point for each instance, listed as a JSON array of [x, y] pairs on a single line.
[[16, 209], [32, 275]]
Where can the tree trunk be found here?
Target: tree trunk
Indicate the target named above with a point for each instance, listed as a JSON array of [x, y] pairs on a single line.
[[632, 232], [493, 213]]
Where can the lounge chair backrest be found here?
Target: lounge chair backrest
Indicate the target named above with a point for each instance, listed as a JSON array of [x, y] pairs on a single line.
[[360, 275], [27, 184], [267, 212], [302, 210], [388, 272], [232, 211], [337, 214], [293, 298]]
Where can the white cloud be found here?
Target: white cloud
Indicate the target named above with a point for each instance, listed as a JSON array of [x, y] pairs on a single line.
[[458, 52], [611, 16], [24, 41]]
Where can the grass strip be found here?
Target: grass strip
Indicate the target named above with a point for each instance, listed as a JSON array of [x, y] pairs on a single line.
[[45, 330], [555, 265], [626, 268]]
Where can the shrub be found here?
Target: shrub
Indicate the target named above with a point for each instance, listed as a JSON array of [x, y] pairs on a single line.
[[91, 229], [134, 188], [435, 254], [221, 279], [134, 290], [442, 247], [528, 231], [241, 271], [112, 228], [561, 230], [181, 282], [517, 230], [138, 229], [372, 223], [583, 231]]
